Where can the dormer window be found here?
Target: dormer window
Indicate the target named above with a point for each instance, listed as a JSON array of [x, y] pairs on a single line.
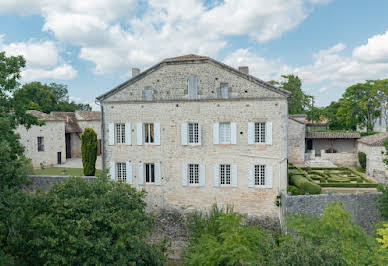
[[192, 87]]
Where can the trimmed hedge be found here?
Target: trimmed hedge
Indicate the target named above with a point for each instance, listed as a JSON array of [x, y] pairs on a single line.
[[293, 190], [349, 185], [362, 159], [305, 185]]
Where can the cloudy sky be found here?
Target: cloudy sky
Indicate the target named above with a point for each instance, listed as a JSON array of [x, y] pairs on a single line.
[[91, 45]]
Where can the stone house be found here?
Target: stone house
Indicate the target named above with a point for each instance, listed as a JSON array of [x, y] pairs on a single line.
[[296, 138], [193, 132], [373, 147], [60, 137]]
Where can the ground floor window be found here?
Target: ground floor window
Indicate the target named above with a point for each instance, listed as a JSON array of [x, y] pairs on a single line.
[[259, 175], [149, 172], [121, 171], [193, 174], [225, 174]]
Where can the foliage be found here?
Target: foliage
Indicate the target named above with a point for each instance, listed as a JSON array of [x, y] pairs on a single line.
[[222, 238], [383, 236], [294, 190], [362, 159], [47, 98], [78, 223], [383, 200], [89, 151], [336, 228], [367, 133], [385, 159], [64, 171], [304, 185]]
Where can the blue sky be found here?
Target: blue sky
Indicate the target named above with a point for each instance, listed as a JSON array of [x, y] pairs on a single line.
[[92, 45]]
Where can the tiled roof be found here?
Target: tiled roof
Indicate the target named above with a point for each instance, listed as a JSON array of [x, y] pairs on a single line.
[[88, 115], [375, 140], [44, 116], [71, 124], [332, 135], [300, 118], [186, 57]]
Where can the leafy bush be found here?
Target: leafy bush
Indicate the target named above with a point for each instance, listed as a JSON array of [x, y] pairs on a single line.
[[78, 223], [367, 133], [89, 151], [293, 190], [305, 185], [362, 159], [383, 200]]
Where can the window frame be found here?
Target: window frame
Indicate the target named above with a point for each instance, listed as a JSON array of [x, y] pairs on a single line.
[[150, 93], [149, 130], [221, 125], [121, 172], [259, 174], [224, 87], [193, 130], [194, 170], [149, 168], [226, 170], [120, 133], [40, 142], [259, 133]]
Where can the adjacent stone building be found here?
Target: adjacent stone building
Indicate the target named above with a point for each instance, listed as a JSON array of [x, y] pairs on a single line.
[[193, 132], [296, 139], [59, 138], [373, 147]]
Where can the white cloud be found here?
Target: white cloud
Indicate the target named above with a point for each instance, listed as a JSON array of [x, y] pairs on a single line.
[[42, 60], [376, 50]]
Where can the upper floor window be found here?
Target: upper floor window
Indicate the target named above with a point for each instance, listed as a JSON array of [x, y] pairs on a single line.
[[224, 91], [192, 87], [121, 171], [193, 174], [120, 133], [260, 175], [148, 95], [260, 132], [225, 174], [193, 129], [149, 133], [224, 136], [40, 144], [149, 172]]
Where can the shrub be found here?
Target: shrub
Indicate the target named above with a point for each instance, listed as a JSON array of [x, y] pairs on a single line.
[[293, 190], [305, 185], [383, 200], [89, 151], [362, 159]]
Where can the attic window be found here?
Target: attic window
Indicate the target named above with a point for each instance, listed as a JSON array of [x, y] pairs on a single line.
[[148, 95], [192, 87]]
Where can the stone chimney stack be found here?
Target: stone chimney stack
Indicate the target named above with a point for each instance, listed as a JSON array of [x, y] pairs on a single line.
[[244, 69], [135, 72]]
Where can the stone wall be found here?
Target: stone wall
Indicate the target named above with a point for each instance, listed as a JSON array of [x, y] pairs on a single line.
[[375, 166], [296, 142], [340, 145], [53, 133], [44, 183], [340, 159], [362, 206]]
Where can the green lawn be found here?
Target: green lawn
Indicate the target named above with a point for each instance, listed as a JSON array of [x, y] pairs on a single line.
[[60, 171]]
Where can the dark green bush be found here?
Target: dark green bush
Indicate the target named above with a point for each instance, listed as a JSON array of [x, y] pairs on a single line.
[[362, 159], [293, 190], [305, 185], [89, 151], [357, 185]]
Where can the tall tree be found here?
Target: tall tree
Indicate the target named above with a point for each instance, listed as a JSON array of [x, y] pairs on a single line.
[[89, 151]]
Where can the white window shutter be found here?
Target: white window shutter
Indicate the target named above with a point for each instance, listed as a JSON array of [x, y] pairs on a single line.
[[251, 175], [140, 174], [139, 133], [216, 133], [111, 134], [184, 175], [234, 175], [251, 133], [157, 133], [158, 177], [199, 134], [268, 133], [202, 175], [184, 133], [268, 176], [128, 134], [112, 170], [216, 175], [233, 133], [129, 172]]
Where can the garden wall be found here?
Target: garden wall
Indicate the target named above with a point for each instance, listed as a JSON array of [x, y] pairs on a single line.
[[362, 206], [341, 158], [45, 182]]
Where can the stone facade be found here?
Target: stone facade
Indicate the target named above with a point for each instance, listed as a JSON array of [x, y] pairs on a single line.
[[250, 100], [341, 159], [53, 143], [375, 166], [296, 141]]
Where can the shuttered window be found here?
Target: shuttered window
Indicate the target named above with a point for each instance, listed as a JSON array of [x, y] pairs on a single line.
[[225, 174], [121, 172], [149, 172], [193, 132], [148, 133], [260, 132], [193, 174], [260, 175], [40, 144], [224, 136], [120, 133]]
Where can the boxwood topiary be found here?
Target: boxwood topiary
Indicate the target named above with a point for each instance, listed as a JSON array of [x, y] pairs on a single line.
[[294, 190], [362, 159], [305, 185]]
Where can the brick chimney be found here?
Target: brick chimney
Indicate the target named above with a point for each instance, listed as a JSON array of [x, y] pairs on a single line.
[[135, 72], [244, 69]]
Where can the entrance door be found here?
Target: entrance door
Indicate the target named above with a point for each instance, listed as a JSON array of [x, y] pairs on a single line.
[[309, 145], [59, 157], [68, 145]]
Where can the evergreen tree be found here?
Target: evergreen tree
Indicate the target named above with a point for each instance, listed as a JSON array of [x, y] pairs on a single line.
[[89, 151]]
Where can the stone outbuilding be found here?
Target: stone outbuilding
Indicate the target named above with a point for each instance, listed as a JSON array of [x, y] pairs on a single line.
[[373, 147]]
